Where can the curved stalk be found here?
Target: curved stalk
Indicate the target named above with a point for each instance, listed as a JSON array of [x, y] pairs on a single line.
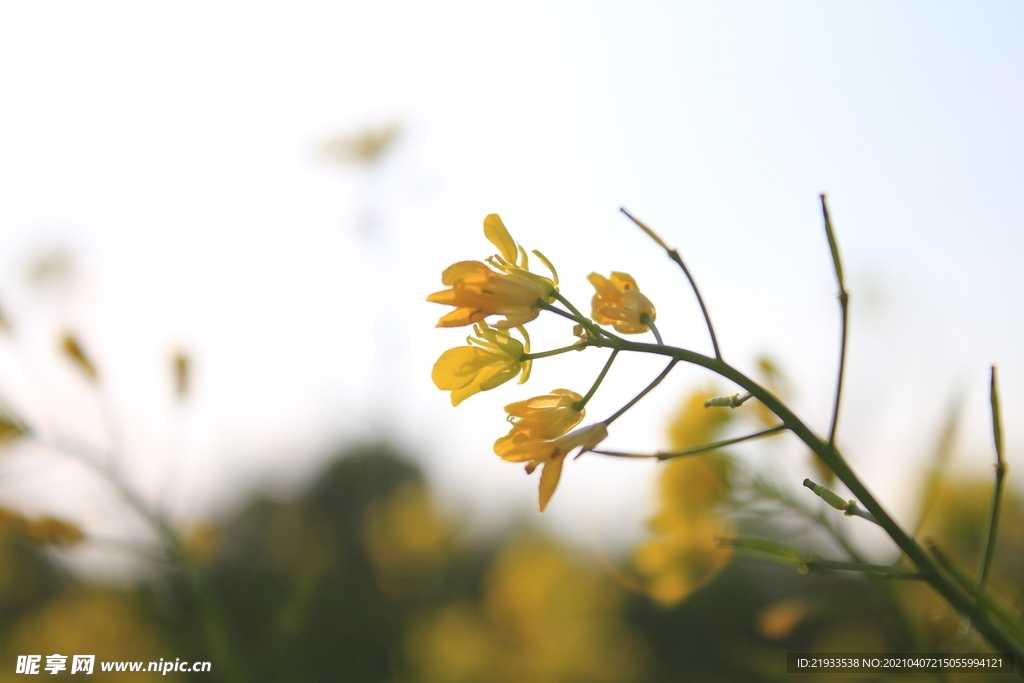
[[830, 455], [699, 449], [997, 495], [646, 320], [656, 382], [555, 352], [579, 405], [674, 255], [844, 308]]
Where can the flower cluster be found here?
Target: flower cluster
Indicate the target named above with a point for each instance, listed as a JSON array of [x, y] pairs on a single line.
[[503, 286], [691, 537]]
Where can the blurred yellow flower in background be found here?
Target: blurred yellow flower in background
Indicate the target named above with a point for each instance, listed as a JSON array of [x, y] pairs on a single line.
[[406, 539], [544, 616], [685, 553], [620, 303], [491, 359], [43, 530]]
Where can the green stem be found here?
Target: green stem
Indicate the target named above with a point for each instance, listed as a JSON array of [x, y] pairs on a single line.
[[656, 382], [904, 623], [647, 320], [699, 449], [583, 319], [576, 317], [674, 255], [997, 496], [555, 309], [555, 352], [579, 405], [879, 569], [844, 301], [932, 572]]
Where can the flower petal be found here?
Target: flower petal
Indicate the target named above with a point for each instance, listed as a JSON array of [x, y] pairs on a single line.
[[459, 366], [497, 234], [549, 477], [623, 281], [473, 271]]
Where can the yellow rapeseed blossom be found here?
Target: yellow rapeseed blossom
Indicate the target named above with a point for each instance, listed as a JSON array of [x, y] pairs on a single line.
[[477, 292], [685, 552], [42, 530], [540, 418], [543, 616], [620, 303], [551, 455], [512, 290], [512, 258], [492, 358]]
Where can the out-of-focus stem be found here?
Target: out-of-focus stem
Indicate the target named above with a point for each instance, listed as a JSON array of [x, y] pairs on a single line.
[[844, 305], [997, 496], [210, 611]]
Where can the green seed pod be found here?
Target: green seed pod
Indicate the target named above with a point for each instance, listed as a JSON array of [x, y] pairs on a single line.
[[827, 495]]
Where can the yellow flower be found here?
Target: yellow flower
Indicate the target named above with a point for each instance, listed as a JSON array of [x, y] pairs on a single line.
[[512, 290], [540, 418], [620, 303], [491, 359], [551, 455], [513, 258], [477, 292]]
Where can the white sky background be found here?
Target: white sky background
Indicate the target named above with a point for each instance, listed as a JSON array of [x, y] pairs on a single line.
[[173, 151]]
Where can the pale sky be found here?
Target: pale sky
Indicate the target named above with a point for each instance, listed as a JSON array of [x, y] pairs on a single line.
[[173, 152]]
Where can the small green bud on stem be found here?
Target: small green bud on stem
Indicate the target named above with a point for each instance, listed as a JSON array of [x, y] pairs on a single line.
[[827, 495], [734, 401]]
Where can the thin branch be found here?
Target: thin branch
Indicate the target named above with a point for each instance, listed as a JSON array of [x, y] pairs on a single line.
[[656, 382], [699, 449], [579, 405], [878, 569], [784, 554], [997, 496], [555, 309], [647, 320], [575, 315], [555, 352], [674, 255], [844, 299]]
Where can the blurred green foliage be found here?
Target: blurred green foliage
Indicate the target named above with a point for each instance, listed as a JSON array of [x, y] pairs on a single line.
[[362, 578]]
